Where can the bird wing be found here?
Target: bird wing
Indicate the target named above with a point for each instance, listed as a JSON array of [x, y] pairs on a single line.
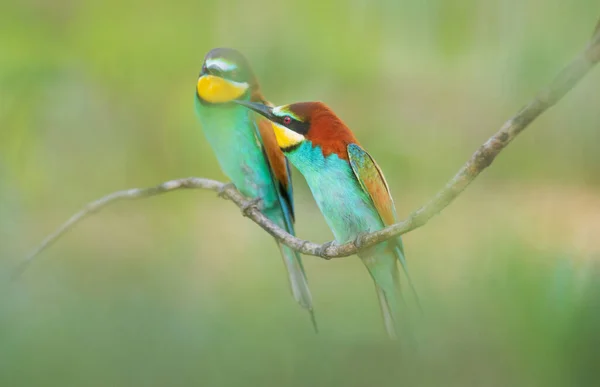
[[371, 179], [282, 181], [280, 168]]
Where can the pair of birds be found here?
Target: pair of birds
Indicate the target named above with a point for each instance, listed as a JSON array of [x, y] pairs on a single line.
[[347, 184]]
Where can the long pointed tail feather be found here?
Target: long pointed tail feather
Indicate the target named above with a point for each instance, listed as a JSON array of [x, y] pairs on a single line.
[[402, 261], [386, 313], [389, 303], [298, 281], [384, 271]]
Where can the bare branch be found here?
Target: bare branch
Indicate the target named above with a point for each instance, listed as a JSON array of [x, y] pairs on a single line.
[[480, 160], [97, 205]]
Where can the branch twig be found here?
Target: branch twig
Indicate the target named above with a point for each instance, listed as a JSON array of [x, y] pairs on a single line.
[[480, 160], [97, 205]]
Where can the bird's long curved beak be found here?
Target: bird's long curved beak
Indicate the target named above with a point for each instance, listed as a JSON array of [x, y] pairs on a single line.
[[261, 109], [286, 138]]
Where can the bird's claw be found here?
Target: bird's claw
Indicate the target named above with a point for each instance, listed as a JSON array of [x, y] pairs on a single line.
[[253, 203], [323, 248], [222, 192], [360, 240]]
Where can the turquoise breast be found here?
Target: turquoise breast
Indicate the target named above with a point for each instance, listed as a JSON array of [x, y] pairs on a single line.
[[231, 132], [347, 209]]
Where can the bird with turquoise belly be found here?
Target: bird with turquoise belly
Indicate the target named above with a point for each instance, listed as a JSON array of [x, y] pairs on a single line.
[[349, 188], [247, 151]]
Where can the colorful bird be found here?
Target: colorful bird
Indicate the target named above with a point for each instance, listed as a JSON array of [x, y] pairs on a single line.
[[349, 189], [247, 150]]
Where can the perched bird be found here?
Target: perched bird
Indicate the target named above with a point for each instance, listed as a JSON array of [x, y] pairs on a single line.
[[245, 146], [349, 189]]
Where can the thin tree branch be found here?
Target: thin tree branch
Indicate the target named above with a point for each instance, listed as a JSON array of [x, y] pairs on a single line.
[[97, 205], [480, 160]]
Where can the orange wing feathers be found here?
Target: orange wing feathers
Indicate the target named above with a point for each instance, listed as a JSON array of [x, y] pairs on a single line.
[[373, 182], [274, 154], [277, 160]]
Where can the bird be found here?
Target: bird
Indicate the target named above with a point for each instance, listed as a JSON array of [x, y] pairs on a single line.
[[247, 151], [349, 189]]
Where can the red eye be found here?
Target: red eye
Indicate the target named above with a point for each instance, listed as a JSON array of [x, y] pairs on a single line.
[[287, 120]]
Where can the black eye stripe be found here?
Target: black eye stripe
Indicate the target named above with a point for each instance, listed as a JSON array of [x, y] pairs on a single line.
[[295, 125]]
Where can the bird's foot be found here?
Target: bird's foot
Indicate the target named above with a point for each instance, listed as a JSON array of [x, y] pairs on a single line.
[[253, 203], [360, 240], [222, 192], [323, 249]]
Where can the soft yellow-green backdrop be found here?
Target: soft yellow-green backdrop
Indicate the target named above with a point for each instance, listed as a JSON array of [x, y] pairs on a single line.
[[180, 290]]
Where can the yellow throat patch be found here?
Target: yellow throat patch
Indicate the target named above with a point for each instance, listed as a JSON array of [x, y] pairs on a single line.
[[218, 90], [286, 138]]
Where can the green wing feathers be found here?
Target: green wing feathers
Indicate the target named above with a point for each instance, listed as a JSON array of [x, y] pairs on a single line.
[[373, 182], [282, 182]]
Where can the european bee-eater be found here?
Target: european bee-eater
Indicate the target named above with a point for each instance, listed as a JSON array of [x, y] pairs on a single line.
[[349, 189], [247, 150]]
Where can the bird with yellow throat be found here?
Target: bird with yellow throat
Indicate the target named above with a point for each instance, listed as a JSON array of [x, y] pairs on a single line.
[[349, 189], [247, 151]]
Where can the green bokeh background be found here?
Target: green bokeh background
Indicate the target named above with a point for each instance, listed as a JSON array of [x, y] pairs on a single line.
[[180, 290]]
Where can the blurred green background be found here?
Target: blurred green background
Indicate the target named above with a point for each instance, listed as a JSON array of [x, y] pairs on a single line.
[[180, 290]]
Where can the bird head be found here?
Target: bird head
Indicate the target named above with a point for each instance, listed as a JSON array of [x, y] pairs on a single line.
[[302, 122], [225, 76]]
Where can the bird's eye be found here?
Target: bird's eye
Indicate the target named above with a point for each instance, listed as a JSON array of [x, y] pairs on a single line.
[[287, 120]]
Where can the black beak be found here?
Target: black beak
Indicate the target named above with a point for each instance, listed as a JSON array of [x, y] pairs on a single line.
[[259, 108]]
